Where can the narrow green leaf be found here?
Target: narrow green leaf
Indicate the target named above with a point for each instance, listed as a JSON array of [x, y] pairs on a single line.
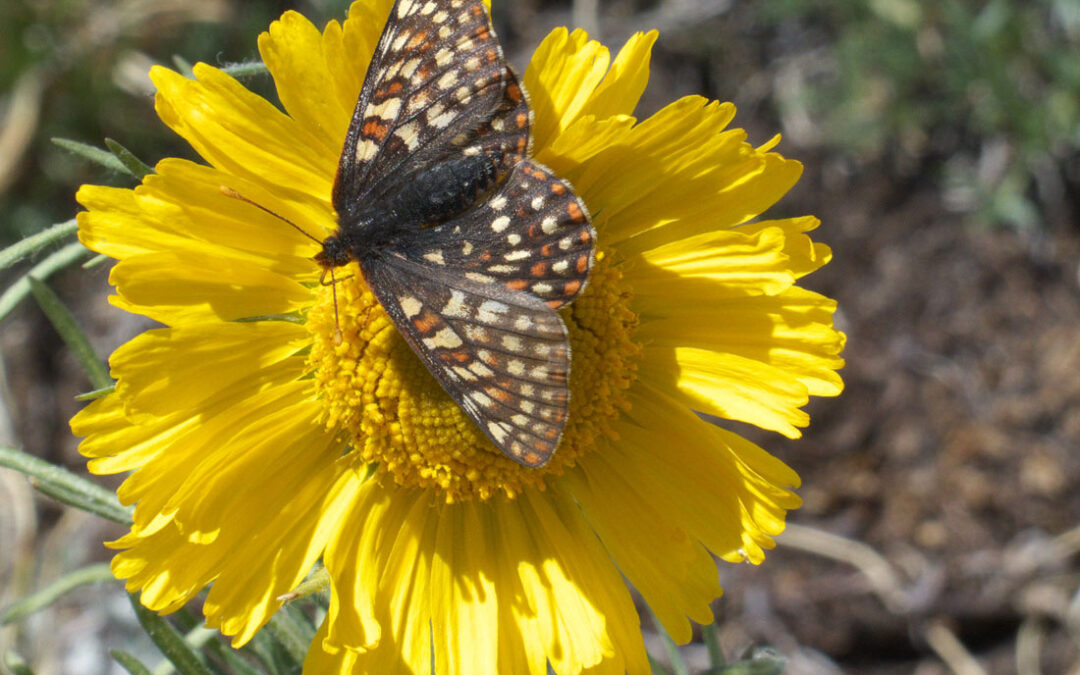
[[169, 641], [74, 337], [64, 486], [96, 394], [232, 658], [134, 165], [19, 250], [290, 634], [43, 270], [711, 637], [93, 154], [93, 574], [95, 261], [129, 662], [15, 664], [262, 647], [246, 69]]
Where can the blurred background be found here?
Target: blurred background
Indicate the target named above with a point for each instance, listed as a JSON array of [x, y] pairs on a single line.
[[941, 144]]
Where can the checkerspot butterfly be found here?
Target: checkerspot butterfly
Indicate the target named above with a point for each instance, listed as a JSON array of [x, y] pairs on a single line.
[[469, 245]]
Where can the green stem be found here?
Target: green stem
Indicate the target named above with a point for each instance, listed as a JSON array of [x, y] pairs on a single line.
[[19, 250], [64, 486], [93, 574], [44, 269]]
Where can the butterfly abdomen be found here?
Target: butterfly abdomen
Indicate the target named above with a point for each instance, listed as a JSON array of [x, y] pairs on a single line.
[[443, 191]]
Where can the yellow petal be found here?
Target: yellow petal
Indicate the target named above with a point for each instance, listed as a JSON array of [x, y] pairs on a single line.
[[318, 76], [271, 482], [180, 288], [729, 386], [163, 371], [564, 71], [675, 574], [712, 266], [464, 601], [791, 331], [241, 133], [678, 173], [181, 208], [623, 85], [725, 491]]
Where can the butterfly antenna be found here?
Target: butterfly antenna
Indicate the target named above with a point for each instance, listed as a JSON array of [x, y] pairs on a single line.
[[337, 319], [229, 192]]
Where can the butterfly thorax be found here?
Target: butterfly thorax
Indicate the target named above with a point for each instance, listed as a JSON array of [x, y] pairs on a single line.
[[434, 196]]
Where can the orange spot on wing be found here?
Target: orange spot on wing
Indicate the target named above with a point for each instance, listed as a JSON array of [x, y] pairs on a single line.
[[492, 55], [583, 264], [585, 237], [521, 120], [558, 188], [416, 40], [426, 322], [517, 284], [540, 269], [373, 128], [547, 250], [389, 89], [571, 287], [575, 213]]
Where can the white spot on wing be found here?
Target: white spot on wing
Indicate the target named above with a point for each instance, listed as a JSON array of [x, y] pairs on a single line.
[[497, 432], [410, 305], [409, 135], [366, 149], [500, 223], [447, 80], [444, 339], [387, 110], [455, 306]]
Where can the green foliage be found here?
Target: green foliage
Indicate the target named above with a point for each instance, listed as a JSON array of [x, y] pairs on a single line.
[[990, 88]]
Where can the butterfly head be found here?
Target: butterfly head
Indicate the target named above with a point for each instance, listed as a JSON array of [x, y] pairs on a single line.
[[335, 252]]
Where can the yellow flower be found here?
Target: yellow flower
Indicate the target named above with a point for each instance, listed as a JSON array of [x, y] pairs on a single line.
[[259, 445]]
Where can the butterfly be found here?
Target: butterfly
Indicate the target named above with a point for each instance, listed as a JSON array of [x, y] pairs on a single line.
[[469, 245]]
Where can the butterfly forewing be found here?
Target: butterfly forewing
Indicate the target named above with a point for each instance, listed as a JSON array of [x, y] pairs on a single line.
[[437, 87], [502, 355]]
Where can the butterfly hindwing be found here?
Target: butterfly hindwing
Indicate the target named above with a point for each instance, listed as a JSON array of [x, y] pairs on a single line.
[[532, 235], [502, 355]]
